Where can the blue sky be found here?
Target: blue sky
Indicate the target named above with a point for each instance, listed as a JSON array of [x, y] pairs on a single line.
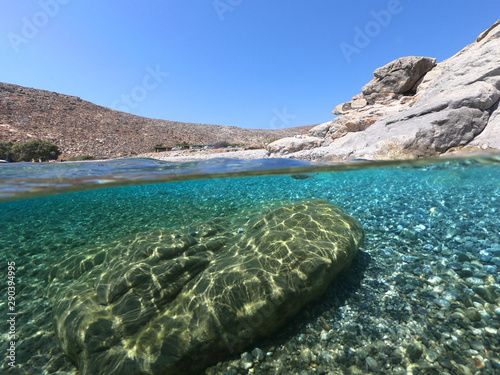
[[248, 63]]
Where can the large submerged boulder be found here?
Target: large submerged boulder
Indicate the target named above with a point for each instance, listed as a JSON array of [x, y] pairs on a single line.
[[176, 301]]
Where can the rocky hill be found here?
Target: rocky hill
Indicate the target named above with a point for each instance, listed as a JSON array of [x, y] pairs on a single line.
[[412, 108], [79, 127]]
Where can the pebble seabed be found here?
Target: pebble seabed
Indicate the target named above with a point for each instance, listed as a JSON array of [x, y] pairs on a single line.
[[421, 297]]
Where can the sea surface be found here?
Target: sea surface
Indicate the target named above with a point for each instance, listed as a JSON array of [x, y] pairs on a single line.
[[422, 295]]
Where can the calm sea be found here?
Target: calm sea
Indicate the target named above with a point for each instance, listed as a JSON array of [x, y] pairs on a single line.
[[422, 293]]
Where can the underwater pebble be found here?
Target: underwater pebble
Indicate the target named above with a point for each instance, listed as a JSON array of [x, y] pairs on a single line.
[[409, 258], [451, 295], [474, 281], [435, 280], [492, 270], [465, 272], [473, 314], [476, 345], [372, 363], [408, 288], [246, 361], [455, 266], [490, 331], [462, 257], [488, 293], [496, 261], [495, 362], [414, 350], [258, 354], [484, 256], [306, 355], [326, 336], [445, 362], [441, 302], [430, 355], [427, 270]]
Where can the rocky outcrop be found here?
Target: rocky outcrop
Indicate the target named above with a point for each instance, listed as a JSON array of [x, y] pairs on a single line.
[[399, 77], [391, 91], [450, 112], [175, 301], [415, 108], [288, 145]]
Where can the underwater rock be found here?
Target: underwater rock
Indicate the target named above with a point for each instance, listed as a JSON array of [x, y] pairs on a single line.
[[165, 302]]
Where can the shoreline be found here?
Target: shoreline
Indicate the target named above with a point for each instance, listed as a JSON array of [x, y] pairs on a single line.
[[189, 155], [320, 154]]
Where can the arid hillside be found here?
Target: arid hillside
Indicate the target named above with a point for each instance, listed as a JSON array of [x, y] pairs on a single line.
[[79, 127]]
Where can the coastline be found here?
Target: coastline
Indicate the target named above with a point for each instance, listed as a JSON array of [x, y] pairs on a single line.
[[319, 154], [190, 155]]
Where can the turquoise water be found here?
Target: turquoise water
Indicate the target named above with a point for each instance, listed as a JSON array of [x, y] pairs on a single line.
[[427, 273]]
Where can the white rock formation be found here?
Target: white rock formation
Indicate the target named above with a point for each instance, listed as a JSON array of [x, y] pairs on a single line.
[[452, 106]]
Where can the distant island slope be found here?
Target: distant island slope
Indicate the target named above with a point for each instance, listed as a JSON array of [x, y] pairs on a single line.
[[79, 127]]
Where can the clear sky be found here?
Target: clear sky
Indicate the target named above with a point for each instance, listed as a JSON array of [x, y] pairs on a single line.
[[249, 63]]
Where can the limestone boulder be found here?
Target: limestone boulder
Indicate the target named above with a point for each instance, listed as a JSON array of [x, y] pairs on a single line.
[[358, 102], [342, 108], [176, 301], [293, 144], [397, 77], [320, 131]]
